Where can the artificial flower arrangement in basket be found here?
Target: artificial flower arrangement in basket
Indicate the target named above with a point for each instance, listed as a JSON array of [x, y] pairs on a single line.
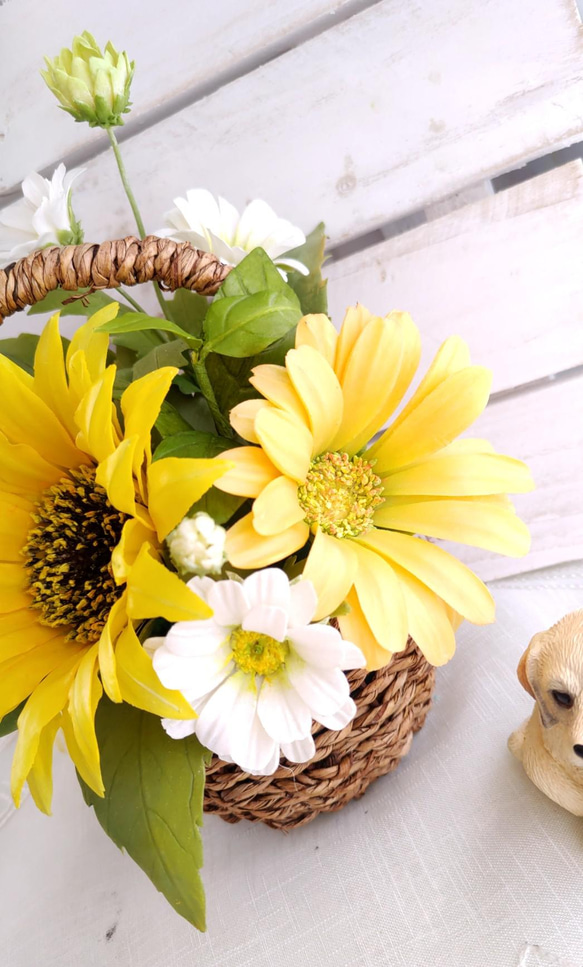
[[219, 575]]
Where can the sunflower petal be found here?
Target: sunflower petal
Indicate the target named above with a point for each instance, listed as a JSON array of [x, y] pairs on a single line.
[[115, 475], [427, 618], [274, 384], [247, 549], [317, 331], [15, 524], [13, 585], [381, 600], [116, 622], [95, 418], [50, 377], [286, 441], [84, 696], [277, 507], [331, 567], [22, 470], [252, 471], [242, 418], [139, 683], [317, 386], [175, 484], [140, 404], [40, 777], [25, 635], [133, 537], [156, 592], [355, 628], [92, 346]]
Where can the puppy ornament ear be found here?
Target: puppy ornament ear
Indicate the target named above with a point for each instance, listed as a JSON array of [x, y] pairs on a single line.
[[525, 665]]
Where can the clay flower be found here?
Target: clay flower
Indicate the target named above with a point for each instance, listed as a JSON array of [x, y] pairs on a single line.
[[257, 672], [214, 225], [43, 216], [317, 478]]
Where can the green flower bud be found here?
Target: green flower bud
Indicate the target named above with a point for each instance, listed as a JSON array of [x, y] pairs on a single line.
[[91, 86]]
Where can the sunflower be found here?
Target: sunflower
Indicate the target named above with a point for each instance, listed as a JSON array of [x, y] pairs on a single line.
[[83, 513], [315, 477]]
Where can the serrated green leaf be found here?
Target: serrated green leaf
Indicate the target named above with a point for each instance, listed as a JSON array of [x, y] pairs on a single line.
[[153, 803], [81, 302], [245, 325], [188, 310], [310, 289], [141, 322], [167, 354], [256, 273], [9, 723]]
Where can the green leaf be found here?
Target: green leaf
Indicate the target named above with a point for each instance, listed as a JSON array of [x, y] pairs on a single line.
[[256, 273], [188, 310], [170, 421], [81, 302], [8, 724], [167, 354], [218, 505], [230, 376], [310, 289], [141, 322], [245, 325], [20, 350], [139, 342], [153, 803], [193, 409]]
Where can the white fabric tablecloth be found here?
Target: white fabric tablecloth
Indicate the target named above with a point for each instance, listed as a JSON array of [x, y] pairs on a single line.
[[454, 860]]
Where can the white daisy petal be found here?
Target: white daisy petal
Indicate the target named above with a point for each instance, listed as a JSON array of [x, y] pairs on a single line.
[[324, 690], [284, 715], [152, 644], [251, 747], [215, 724], [196, 638], [352, 657], [303, 603], [319, 645], [179, 728], [229, 602], [300, 751], [338, 720], [201, 586], [191, 676], [266, 621], [269, 587]]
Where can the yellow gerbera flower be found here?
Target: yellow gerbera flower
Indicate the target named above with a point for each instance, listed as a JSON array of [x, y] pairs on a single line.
[[311, 473], [83, 511]]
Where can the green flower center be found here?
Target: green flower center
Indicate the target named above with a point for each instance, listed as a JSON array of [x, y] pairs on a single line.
[[68, 555], [340, 494], [258, 654]]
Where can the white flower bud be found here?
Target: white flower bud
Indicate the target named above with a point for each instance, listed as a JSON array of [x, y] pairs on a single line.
[[197, 545]]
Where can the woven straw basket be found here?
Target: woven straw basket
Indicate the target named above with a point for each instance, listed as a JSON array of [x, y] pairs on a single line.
[[392, 703]]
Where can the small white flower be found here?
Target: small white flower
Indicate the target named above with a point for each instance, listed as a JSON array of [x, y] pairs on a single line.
[[214, 225], [42, 217], [197, 545], [258, 671]]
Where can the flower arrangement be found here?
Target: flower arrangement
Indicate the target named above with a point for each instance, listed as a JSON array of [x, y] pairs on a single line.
[[208, 517]]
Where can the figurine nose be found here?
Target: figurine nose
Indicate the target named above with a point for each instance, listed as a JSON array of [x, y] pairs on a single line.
[[578, 750]]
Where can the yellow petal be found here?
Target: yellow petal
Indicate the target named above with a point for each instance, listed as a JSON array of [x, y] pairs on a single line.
[[317, 331], [355, 320], [25, 418], [74, 750], [484, 522], [156, 592], [175, 484], [133, 537], [317, 386], [381, 600], [252, 471], [40, 777], [247, 549], [243, 416], [21, 675], [274, 384], [453, 474], [286, 441], [449, 578], [427, 618], [139, 684], [436, 421], [13, 584], [50, 378], [26, 634], [84, 696], [331, 567], [140, 404], [23, 471], [15, 524], [355, 628], [277, 507], [115, 474], [95, 418], [47, 700], [17, 621], [116, 622], [92, 346]]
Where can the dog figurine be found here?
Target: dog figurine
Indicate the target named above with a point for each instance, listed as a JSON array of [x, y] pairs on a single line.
[[550, 743]]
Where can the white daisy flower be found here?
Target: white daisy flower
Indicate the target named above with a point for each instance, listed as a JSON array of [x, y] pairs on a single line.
[[258, 672], [214, 225], [43, 216], [197, 545]]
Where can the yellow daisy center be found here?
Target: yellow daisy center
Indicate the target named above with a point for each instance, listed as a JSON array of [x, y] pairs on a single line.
[[68, 555], [258, 654], [340, 494]]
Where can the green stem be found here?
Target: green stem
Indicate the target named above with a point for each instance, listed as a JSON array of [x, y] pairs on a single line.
[[134, 206], [222, 425], [132, 302]]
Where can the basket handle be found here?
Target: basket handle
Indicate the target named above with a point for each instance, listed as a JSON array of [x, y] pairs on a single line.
[[126, 261]]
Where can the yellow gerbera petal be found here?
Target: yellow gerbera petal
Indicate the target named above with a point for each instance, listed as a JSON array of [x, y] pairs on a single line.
[[115, 475], [95, 419], [40, 777], [25, 418], [242, 418], [15, 524], [139, 684], [84, 696], [47, 700], [22, 674], [436, 421], [286, 441], [355, 319], [331, 567], [277, 507], [50, 377], [274, 384], [252, 471], [317, 386], [13, 584], [381, 600], [133, 537], [23, 471], [249, 550], [484, 522], [427, 618], [140, 404], [317, 331], [355, 628], [116, 622], [175, 484], [156, 592], [453, 474], [449, 578]]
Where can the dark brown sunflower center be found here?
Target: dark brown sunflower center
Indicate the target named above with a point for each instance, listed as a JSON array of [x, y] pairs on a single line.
[[68, 555]]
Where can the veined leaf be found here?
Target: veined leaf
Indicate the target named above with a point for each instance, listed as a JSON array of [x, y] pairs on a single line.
[[166, 354], [170, 421], [141, 322], [256, 273], [20, 350], [310, 289], [188, 310], [244, 325], [153, 802], [81, 302]]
